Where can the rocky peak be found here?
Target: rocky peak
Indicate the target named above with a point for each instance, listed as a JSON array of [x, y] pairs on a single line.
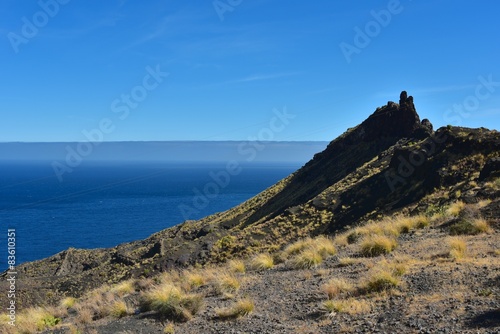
[[393, 120]]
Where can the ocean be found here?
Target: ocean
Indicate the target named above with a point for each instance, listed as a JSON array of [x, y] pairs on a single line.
[[103, 204]]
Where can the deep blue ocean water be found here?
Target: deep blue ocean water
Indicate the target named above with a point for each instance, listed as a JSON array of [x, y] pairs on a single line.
[[105, 204]]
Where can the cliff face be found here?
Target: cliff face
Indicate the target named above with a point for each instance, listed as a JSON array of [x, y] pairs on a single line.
[[345, 154], [390, 162]]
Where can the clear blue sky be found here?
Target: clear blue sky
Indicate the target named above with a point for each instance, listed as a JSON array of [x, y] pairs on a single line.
[[231, 66]]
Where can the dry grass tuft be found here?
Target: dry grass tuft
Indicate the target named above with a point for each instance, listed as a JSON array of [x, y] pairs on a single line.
[[239, 309], [381, 280], [226, 283], [195, 279], [306, 259], [375, 245], [455, 208], [119, 309], [170, 302], [336, 286], [457, 248], [324, 246], [262, 262], [298, 246], [350, 306], [236, 266], [169, 328], [481, 225], [35, 319], [85, 315], [124, 288], [341, 240], [348, 261], [470, 226], [68, 302]]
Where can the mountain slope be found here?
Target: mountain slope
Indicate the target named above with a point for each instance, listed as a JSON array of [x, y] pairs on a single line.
[[392, 162]]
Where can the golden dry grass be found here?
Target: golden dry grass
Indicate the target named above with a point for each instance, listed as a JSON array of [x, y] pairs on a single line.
[[84, 316], [119, 309], [374, 245], [455, 208], [350, 306], [124, 288], [324, 246], [226, 283], [457, 248], [348, 261], [195, 279], [236, 266], [35, 319], [170, 301], [262, 262], [298, 246], [336, 286], [380, 280], [240, 308], [306, 259], [169, 328], [481, 225], [67, 302]]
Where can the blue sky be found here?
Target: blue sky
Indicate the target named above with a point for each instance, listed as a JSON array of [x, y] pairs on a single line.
[[234, 65]]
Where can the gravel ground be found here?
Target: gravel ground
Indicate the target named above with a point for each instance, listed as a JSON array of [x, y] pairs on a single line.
[[437, 295]]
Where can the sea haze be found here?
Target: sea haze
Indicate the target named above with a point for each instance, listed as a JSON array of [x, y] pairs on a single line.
[[104, 203]]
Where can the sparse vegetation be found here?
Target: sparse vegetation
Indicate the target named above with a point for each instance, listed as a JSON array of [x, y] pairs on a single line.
[[119, 309], [35, 319], [381, 280], [262, 262], [169, 328], [226, 283], [324, 246], [298, 246], [368, 276], [376, 245], [351, 306], [236, 266], [195, 279], [308, 258], [336, 286], [68, 302], [240, 308], [470, 226], [347, 261], [455, 208], [170, 302], [457, 248], [124, 288]]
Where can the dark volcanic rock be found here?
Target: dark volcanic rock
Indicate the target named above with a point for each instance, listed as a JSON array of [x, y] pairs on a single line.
[[490, 169]]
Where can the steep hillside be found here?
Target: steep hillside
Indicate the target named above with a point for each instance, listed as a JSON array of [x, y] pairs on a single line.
[[389, 168]]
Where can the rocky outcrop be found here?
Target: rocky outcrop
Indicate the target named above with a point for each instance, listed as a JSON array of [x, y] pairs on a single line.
[[384, 128], [490, 169]]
